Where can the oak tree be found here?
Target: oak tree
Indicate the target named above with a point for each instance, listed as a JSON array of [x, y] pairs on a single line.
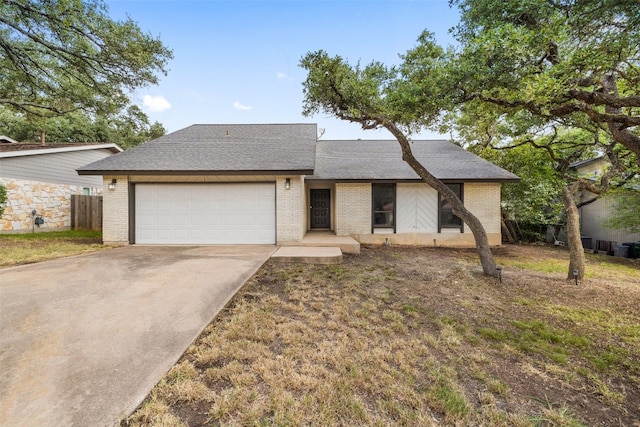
[[396, 99], [67, 55], [543, 63]]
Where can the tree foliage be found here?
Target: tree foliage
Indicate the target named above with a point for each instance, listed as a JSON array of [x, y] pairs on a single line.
[[68, 55], [542, 63], [3, 198], [560, 75], [533, 203], [127, 128], [625, 207], [396, 99]]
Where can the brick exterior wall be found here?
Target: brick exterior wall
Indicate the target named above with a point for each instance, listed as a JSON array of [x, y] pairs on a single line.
[[52, 201], [483, 200], [290, 209], [290, 206], [352, 209], [352, 214], [115, 211], [353, 217]]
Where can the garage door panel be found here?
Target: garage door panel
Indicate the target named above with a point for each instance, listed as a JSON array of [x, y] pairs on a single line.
[[205, 213]]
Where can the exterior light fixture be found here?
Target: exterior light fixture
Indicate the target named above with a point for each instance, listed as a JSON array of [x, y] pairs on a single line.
[[287, 183], [575, 276], [112, 185], [499, 269]]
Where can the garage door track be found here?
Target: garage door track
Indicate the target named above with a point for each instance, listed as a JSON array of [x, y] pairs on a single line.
[[84, 339]]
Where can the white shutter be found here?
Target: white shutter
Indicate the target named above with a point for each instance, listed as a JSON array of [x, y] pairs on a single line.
[[417, 208]]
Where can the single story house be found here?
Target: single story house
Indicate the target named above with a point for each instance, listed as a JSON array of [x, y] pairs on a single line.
[[593, 215], [42, 177], [272, 183]]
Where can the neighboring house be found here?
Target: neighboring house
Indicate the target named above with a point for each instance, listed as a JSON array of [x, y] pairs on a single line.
[[271, 184], [595, 235], [43, 178]]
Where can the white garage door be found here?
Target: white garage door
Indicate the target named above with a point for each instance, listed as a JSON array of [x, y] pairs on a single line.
[[205, 213]]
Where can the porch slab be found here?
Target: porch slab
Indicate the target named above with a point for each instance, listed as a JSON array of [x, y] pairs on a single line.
[[308, 255], [347, 244]]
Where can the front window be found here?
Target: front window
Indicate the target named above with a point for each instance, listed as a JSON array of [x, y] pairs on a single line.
[[384, 197], [447, 218]]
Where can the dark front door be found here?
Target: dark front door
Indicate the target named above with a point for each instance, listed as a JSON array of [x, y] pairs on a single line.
[[320, 209]]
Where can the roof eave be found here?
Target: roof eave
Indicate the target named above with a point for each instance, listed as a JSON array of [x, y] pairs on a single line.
[[408, 180], [195, 172], [114, 148]]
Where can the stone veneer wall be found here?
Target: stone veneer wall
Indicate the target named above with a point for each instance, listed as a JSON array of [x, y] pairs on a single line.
[[52, 201]]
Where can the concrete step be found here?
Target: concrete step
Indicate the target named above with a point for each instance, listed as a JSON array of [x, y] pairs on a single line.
[[347, 244], [308, 255]]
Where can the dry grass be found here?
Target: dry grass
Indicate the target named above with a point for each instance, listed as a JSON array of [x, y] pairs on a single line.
[[28, 248], [415, 337]]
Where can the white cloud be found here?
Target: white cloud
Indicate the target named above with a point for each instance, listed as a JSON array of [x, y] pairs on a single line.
[[239, 106], [281, 75], [156, 104]]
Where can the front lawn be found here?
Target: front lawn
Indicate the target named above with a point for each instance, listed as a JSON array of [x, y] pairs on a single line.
[[28, 248], [406, 336]]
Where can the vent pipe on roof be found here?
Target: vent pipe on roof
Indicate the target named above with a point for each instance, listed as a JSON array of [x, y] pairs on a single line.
[[42, 141]]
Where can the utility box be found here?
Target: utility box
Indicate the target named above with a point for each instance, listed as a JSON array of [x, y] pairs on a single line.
[[621, 251], [634, 249]]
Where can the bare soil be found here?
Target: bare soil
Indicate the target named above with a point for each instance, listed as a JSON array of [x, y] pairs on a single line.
[[523, 294], [463, 349]]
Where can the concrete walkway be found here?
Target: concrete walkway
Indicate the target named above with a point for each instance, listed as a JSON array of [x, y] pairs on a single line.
[[84, 339]]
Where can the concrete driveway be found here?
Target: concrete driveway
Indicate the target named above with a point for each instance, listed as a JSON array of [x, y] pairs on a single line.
[[84, 339]]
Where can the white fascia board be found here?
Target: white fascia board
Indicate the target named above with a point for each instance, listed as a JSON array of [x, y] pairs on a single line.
[[61, 150]]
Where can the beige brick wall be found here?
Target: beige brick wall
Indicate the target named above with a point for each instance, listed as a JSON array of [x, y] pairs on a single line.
[[483, 200], [115, 211], [290, 209], [352, 209], [290, 203], [353, 216]]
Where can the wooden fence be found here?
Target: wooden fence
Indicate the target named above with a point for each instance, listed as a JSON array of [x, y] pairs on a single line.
[[86, 212]]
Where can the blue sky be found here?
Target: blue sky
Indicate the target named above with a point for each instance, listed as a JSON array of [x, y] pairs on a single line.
[[237, 61]]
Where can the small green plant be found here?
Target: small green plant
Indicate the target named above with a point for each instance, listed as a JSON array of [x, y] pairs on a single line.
[[557, 415], [3, 198]]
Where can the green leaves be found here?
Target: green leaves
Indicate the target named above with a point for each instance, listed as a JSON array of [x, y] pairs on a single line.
[[61, 56], [565, 63], [126, 128], [411, 95], [625, 205], [3, 198]]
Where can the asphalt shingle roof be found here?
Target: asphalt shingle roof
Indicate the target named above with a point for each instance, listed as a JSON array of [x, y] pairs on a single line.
[[232, 149], [382, 160], [219, 149]]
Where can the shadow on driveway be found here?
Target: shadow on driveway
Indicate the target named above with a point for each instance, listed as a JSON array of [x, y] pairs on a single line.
[[84, 339]]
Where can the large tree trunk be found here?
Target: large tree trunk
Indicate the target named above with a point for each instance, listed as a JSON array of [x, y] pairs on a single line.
[[576, 251], [474, 224]]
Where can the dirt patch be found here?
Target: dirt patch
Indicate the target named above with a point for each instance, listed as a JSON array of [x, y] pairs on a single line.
[[417, 336]]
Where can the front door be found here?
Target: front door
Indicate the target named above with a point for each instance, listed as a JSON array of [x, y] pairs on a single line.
[[320, 208]]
